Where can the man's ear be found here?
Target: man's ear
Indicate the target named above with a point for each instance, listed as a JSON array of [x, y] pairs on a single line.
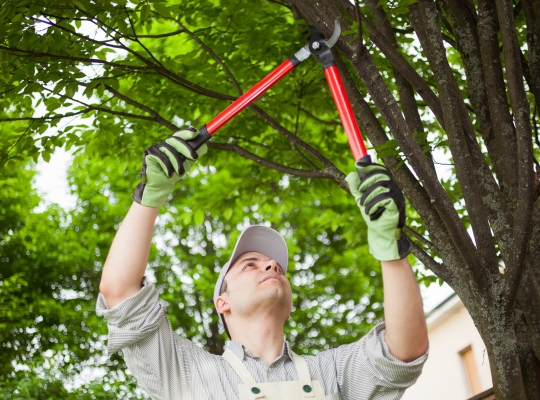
[[222, 305]]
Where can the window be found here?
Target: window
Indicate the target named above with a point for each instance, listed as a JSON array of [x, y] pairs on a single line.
[[471, 372]]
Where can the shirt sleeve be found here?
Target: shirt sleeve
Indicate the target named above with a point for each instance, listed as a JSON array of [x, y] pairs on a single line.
[[161, 360], [371, 357]]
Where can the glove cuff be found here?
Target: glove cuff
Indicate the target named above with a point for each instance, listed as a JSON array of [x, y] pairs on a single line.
[[388, 249]]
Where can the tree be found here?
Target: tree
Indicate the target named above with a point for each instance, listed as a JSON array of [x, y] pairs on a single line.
[[423, 78], [52, 262]]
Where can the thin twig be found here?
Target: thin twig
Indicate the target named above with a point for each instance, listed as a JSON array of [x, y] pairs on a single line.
[[261, 144], [403, 31], [12, 50], [295, 148], [209, 51], [322, 121], [450, 41], [16, 143], [360, 47], [280, 3], [267, 163], [139, 42], [420, 238], [56, 116], [158, 118]]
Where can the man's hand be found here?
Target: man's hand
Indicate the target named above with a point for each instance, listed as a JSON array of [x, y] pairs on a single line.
[[163, 165], [382, 205]]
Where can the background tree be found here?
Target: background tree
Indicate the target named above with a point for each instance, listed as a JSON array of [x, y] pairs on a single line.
[[425, 77], [52, 262]]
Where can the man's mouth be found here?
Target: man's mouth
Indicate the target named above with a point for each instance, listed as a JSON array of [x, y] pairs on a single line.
[[271, 276]]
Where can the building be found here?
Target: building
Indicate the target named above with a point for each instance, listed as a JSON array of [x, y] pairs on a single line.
[[457, 367]]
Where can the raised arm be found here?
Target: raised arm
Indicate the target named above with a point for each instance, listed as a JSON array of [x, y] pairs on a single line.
[[128, 256], [163, 165], [382, 205], [406, 330]]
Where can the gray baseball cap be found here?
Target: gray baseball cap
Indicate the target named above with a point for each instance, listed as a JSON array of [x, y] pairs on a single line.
[[257, 238]]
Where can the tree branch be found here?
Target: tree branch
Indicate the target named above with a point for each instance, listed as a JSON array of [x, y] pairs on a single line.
[[156, 117], [12, 50], [164, 71], [450, 101], [267, 163], [330, 168], [45, 118], [441, 270], [497, 96], [138, 41], [263, 145], [389, 109], [532, 71], [74, 33], [464, 28], [414, 191], [322, 121], [450, 41], [212, 54], [521, 112], [399, 62], [405, 90], [420, 238], [15, 144]]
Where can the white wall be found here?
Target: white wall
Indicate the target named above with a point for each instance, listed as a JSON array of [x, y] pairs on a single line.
[[450, 330]]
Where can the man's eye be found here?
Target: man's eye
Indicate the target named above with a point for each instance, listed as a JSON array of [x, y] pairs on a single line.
[[249, 265]]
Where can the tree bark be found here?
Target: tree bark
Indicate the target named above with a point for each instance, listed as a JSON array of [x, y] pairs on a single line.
[[530, 366]]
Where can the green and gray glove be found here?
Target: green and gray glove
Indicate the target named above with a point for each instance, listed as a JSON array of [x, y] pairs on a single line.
[[163, 165], [382, 205]]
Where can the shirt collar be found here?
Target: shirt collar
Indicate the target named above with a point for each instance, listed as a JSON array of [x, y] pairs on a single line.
[[242, 352]]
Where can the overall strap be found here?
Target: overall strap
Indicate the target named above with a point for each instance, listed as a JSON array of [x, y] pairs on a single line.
[[303, 376], [243, 373]]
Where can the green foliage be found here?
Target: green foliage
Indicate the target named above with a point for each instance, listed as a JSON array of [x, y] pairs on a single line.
[[62, 68], [52, 262]]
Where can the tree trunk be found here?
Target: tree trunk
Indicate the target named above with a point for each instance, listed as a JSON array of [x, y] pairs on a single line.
[[502, 347], [530, 366]]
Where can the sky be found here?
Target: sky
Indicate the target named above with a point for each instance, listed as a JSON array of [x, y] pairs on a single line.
[[53, 187]]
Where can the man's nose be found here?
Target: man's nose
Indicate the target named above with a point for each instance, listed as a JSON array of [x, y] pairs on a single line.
[[272, 266]]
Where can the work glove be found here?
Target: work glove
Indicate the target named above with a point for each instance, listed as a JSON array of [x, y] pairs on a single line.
[[163, 165], [382, 205]]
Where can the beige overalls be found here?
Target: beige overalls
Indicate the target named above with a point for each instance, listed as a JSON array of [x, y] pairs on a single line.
[[304, 388]]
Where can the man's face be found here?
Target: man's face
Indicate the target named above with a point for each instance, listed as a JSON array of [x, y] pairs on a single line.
[[256, 286]]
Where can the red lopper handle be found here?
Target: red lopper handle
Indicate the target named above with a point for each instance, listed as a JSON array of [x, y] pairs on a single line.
[[249, 97], [345, 113]]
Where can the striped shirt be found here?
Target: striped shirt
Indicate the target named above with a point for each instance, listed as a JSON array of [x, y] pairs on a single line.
[[170, 367]]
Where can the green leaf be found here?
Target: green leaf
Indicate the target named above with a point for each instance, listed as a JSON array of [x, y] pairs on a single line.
[[387, 152], [46, 155], [145, 12], [198, 217], [122, 167], [400, 164], [228, 213], [163, 10], [187, 218], [389, 144], [79, 4]]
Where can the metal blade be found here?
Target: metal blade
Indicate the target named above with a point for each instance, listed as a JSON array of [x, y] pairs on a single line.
[[335, 36]]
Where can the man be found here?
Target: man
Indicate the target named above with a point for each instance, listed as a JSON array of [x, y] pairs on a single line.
[[254, 299]]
